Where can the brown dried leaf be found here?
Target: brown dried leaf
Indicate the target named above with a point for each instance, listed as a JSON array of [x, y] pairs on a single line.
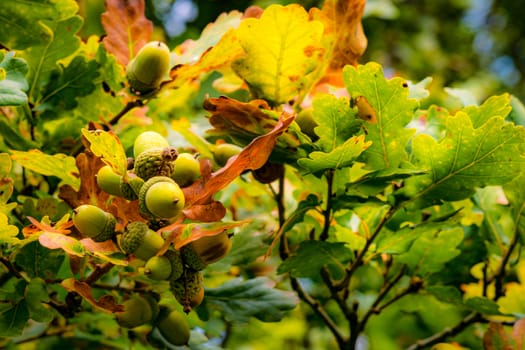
[[210, 212], [251, 157], [105, 303], [127, 28], [495, 338]]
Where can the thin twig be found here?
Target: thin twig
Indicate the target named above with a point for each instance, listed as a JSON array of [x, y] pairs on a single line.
[[99, 271], [447, 332], [328, 210], [321, 312], [382, 294], [10, 267]]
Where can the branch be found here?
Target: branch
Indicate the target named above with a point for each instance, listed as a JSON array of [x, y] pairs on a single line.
[[99, 271], [318, 308], [500, 275], [359, 259], [327, 213], [447, 332], [10, 267], [382, 294]]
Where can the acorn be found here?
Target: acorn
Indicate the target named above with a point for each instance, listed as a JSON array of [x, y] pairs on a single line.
[[187, 287], [158, 268], [137, 311], [173, 327], [109, 181], [223, 152], [206, 250], [148, 140], [138, 239], [149, 68], [186, 169], [161, 197], [93, 222], [155, 162], [268, 173]]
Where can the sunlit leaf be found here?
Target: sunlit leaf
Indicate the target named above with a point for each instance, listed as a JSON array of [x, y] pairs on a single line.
[[312, 256], [339, 157], [466, 158], [69, 244], [127, 28], [107, 146], [25, 23], [393, 109], [282, 47], [8, 233], [513, 302], [59, 165], [13, 84], [343, 32], [182, 234], [239, 300]]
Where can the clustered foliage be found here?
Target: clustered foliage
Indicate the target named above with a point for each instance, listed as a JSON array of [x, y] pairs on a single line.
[[324, 192]]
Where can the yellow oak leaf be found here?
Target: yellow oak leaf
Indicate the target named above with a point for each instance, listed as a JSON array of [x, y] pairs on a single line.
[[282, 48]]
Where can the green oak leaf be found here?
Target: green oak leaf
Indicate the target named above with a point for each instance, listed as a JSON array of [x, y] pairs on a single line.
[[59, 165], [107, 146], [336, 121], [465, 158], [13, 318], [483, 305], [393, 108], [13, 83], [35, 294], [239, 300], [49, 261], [340, 157], [432, 250], [43, 58], [12, 137], [25, 23], [67, 84], [312, 256], [493, 106], [515, 193]]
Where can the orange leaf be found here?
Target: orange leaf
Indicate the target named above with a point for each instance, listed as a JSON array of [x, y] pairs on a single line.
[[42, 226], [105, 303], [210, 212], [344, 31], [251, 157], [496, 338], [127, 28], [518, 333], [69, 244], [182, 234]]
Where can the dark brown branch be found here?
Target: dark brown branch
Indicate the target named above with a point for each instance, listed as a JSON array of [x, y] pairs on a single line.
[[327, 213], [99, 271], [447, 332], [10, 267]]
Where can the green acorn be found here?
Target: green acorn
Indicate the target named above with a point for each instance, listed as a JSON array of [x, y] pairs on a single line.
[[173, 327], [149, 68], [137, 311], [93, 222], [186, 169], [148, 140], [224, 151], [109, 181], [155, 162], [206, 250], [138, 239], [161, 197], [158, 268], [187, 287]]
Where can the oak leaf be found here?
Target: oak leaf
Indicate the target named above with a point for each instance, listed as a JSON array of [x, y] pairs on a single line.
[[127, 28], [106, 303]]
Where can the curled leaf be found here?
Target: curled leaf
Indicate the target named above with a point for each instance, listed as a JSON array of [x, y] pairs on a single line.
[[105, 303]]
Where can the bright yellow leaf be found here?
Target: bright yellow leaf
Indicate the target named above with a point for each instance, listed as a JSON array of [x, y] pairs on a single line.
[[281, 48]]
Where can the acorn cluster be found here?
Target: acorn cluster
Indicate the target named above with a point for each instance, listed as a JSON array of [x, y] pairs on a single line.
[[155, 178]]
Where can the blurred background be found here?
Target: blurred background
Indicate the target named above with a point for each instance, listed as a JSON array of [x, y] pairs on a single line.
[[476, 47]]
